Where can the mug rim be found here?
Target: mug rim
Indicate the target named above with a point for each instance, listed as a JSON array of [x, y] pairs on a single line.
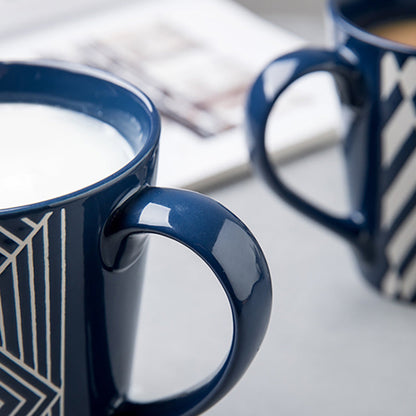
[[150, 140], [360, 33]]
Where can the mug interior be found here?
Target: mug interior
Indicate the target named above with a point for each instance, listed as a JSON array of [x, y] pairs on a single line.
[[367, 12], [90, 92], [357, 15]]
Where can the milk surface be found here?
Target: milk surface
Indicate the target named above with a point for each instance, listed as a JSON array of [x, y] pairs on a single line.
[[46, 152]]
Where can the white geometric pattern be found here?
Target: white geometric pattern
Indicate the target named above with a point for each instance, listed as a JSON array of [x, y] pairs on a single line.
[[31, 357], [394, 74], [399, 80], [397, 130]]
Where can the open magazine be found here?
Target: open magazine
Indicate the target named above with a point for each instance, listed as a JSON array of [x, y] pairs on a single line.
[[196, 61]]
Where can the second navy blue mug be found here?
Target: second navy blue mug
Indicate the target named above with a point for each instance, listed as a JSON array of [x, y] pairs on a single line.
[[72, 267], [376, 81]]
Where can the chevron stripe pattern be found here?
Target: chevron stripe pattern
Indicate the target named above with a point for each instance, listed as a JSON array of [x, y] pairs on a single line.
[[398, 201], [32, 316]]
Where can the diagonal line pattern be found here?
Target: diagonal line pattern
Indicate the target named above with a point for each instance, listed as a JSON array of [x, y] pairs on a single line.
[[24, 391], [29, 237], [34, 394], [10, 235], [11, 402], [399, 166]]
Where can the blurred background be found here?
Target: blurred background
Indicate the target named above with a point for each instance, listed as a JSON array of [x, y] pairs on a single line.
[[301, 16], [334, 346]]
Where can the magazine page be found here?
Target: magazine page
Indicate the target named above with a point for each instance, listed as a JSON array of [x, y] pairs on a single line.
[[196, 61]]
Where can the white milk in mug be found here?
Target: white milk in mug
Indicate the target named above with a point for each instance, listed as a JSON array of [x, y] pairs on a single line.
[[47, 152]]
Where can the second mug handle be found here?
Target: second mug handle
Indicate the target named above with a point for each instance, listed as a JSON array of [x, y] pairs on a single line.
[[232, 253], [267, 88]]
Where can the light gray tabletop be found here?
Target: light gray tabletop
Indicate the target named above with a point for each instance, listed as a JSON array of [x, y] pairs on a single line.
[[334, 346]]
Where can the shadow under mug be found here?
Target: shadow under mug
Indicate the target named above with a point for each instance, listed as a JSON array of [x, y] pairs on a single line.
[[376, 81], [71, 268]]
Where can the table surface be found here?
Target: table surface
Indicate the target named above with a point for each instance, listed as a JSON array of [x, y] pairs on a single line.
[[334, 346]]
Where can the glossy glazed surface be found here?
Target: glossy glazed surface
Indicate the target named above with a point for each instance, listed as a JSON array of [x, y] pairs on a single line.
[[70, 295], [376, 84], [232, 253]]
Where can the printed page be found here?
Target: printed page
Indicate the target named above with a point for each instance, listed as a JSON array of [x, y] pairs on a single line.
[[196, 61]]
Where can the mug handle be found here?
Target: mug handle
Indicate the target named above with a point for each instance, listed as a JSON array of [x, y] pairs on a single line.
[[230, 250], [267, 88]]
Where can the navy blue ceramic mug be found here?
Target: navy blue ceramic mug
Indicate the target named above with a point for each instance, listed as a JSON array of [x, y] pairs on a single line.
[[71, 267], [376, 80]]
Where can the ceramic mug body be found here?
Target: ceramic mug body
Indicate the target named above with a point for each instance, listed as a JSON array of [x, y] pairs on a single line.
[[71, 268], [376, 82]]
